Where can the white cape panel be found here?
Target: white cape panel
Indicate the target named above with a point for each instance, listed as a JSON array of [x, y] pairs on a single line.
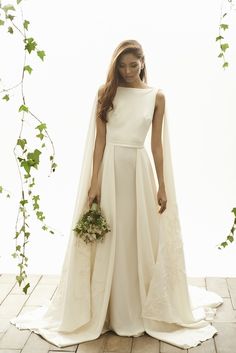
[[172, 310]]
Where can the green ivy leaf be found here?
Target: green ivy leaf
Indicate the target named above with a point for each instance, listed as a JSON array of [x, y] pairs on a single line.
[[6, 97], [54, 165], [18, 248], [224, 244], [14, 255], [23, 108], [234, 211], [31, 185], [41, 54], [219, 38], [27, 234], [226, 64], [41, 127], [35, 204], [17, 235], [36, 197], [51, 158], [41, 136], [224, 46], [230, 238], [43, 145], [40, 215], [224, 14], [25, 289], [7, 8], [224, 26], [26, 24], [19, 279], [18, 1], [30, 44], [220, 55], [33, 158], [1, 189], [10, 17], [23, 202], [28, 68], [26, 166], [21, 143], [10, 30], [2, 22]]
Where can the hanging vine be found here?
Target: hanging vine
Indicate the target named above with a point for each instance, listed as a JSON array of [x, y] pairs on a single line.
[[223, 46], [27, 155], [226, 8]]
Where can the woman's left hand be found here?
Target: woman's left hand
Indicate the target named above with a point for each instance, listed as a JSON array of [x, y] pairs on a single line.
[[161, 199]]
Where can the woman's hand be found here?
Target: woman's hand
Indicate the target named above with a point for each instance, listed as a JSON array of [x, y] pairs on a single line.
[[161, 199], [93, 192]]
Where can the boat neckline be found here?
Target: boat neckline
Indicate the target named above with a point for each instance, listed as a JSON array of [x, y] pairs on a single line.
[[139, 88]]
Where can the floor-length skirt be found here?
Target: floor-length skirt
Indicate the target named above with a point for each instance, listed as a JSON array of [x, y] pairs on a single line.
[[135, 280]]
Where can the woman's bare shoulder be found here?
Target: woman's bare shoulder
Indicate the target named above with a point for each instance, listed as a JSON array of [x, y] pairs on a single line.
[[160, 98]]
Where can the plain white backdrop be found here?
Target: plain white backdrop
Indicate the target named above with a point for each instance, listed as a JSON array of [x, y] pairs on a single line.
[[178, 39]]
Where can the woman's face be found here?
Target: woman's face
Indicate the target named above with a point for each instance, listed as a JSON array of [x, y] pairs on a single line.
[[129, 67]]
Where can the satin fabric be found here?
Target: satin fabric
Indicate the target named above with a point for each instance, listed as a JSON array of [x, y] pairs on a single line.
[[135, 281]]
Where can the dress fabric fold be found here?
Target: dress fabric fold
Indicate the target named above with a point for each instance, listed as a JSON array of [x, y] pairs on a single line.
[[135, 280]]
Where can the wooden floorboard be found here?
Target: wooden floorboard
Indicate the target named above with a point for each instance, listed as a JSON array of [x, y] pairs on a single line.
[[205, 347], [145, 343], [232, 290], [43, 287], [218, 285]]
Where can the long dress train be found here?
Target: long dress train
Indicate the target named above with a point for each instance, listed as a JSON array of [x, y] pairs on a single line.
[[134, 281]]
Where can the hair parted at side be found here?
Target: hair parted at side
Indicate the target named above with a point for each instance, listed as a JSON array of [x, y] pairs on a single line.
[[112, 80]]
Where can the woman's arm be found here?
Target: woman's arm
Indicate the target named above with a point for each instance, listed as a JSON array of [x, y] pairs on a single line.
[[156, 143], [156, 147]]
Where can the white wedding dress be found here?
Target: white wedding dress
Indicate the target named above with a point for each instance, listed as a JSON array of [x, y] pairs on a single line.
[[134, 281]]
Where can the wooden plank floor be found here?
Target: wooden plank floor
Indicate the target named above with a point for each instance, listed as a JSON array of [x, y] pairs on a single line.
[[12, 340]]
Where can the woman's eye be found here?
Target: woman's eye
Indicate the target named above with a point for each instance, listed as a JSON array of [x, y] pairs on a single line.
[[122, 66]]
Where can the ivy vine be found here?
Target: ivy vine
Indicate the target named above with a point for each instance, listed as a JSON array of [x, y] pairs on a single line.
[[230, 237], [226, 7], [222, 46], [229, 6], [28, 156]]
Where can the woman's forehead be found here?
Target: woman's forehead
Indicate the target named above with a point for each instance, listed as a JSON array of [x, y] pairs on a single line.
[[128, 57]]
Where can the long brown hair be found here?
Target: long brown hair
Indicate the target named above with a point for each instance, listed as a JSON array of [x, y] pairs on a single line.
[[112, 81]]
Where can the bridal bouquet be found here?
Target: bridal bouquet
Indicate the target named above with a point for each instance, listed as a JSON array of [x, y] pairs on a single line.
[[92, 226]]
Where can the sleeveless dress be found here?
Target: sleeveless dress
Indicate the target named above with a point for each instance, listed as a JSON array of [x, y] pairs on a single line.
[[135, 280]]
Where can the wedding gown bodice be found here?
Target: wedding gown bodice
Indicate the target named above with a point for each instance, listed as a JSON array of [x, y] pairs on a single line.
[[129, 121]]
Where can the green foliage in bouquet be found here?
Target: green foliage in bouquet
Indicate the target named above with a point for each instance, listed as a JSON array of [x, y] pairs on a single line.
[[92, 226]]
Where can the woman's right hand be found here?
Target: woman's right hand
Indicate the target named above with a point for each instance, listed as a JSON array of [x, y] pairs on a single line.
[[93, 192]]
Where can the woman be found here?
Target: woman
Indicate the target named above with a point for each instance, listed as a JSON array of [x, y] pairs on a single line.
[[128, 71], [134, 281]]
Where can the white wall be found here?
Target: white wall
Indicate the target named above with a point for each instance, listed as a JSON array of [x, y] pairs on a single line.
[[181, 55]]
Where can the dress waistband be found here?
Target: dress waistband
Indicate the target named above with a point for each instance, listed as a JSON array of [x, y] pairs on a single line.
[[125, 144]]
